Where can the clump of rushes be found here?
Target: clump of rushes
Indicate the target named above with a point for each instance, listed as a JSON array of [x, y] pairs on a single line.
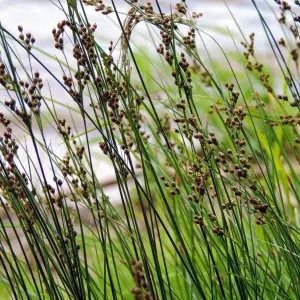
[[205, 161]]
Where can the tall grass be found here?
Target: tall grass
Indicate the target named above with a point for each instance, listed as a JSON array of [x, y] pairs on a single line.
[[205, 157]]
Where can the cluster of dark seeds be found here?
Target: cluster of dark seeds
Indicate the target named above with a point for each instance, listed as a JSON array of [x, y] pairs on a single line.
[[66, 167], [284, 5], [218, 231], [181, 8], [84, 52], [28, 39], [64, 130], [297, 18], [6, 79], [190, 39], [290, 119], [58, 33], [198, 220], [99, 6], [294, 51], [253, 64], [282, 42], [12, 182], [32, 93], [68, 239], [141, 290]]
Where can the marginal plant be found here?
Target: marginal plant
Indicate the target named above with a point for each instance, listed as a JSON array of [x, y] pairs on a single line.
[[205, 160]]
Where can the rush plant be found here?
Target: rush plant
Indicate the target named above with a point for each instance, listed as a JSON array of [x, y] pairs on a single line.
[[205, 157]]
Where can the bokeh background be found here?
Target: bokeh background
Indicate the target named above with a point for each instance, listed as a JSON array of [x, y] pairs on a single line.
[[40, 16]]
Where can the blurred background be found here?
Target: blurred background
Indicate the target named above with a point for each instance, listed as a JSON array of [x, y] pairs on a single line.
[[39, 17]]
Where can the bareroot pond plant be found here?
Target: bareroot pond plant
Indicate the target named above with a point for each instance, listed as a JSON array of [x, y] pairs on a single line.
[[205, 156]]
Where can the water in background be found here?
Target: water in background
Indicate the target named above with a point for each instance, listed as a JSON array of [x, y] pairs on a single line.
[[40, 16]]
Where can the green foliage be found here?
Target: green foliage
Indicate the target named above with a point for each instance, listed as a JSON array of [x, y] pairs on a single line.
[[204, 149]]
